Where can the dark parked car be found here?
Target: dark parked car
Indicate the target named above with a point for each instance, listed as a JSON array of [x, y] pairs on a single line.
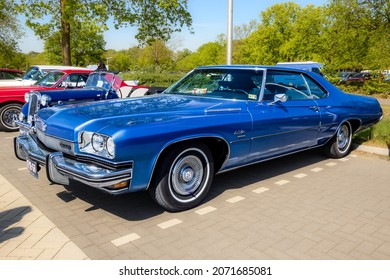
[[215, 119], [345, 75], [10, 74], [359, 77]]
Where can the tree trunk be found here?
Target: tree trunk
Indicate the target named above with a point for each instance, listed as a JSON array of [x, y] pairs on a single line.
[[65, 36]]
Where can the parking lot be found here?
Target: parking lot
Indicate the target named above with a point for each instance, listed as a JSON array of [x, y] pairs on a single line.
[[304, 206]]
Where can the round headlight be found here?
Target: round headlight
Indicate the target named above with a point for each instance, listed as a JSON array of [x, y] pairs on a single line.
[[111, 146], [21, 116], [98, 142], [45, 100], [27, 97]]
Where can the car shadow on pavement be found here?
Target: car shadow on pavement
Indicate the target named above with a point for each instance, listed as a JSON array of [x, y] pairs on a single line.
[[132, 206], [139, 206], [256, 173], [10, 217]]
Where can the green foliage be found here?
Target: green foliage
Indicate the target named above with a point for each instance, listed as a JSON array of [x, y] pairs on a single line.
[[9, 33], [207, 54], [86, 45], [157, 54], [34, 58], [156, 19], [379, 134], [153, 77], [376, 87], [343, 35]]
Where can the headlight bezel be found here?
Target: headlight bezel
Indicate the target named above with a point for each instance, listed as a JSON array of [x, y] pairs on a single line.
[[45, 100], [96, 144]]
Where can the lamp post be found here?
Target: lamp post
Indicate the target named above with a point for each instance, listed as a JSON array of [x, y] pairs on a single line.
[[229, 33], [107, 62]]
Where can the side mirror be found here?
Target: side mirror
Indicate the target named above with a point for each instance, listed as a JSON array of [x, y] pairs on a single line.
[[281, 97]]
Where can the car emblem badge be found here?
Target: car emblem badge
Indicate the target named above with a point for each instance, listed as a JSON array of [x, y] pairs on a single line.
[[239, 133], [65, 146]]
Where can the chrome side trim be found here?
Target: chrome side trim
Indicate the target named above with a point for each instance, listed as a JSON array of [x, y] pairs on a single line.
[[222, 110]]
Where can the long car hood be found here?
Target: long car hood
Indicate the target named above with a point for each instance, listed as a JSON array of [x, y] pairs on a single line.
[[77, 94], [64, 121]]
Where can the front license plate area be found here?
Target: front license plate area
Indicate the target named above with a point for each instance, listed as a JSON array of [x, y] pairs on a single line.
[[33, 167]]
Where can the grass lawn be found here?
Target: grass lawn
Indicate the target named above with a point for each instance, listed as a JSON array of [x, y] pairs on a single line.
[[379, 134]]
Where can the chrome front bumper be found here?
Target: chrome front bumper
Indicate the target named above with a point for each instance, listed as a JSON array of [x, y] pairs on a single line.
[[24, 127], [60, 169]]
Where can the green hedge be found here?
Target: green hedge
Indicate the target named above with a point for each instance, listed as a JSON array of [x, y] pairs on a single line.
[[377, 135], [376, 87], [151, 78]]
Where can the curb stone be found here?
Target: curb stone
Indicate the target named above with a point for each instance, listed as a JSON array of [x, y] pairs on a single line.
[[371, 149]]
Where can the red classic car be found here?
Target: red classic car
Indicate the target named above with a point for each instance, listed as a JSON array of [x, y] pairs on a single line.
[[12, 98]]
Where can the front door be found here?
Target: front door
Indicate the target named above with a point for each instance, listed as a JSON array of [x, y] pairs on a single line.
[[284, 127]]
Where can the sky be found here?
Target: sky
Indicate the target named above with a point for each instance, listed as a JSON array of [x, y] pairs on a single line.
[[209, 19]]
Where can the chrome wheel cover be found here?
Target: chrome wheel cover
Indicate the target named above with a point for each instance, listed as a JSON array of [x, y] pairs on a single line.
[[188, 176], [9, 115], [343, 138]]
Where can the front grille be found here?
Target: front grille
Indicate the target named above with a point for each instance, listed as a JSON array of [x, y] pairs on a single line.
[[33, 105], [56, 144]]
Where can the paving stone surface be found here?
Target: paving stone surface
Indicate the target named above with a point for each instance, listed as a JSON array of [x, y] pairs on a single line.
[[304, 206]]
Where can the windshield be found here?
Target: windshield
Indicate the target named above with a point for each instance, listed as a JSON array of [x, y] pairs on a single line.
[[33, 74], [103, 80], [239, 84], [50, 79]]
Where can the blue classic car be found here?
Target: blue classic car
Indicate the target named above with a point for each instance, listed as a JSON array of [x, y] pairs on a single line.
[[98, 86], [214, 119]]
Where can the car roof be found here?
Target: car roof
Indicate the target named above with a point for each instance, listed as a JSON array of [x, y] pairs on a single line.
[[251, 67], [70, 71], [299, 63], [57, 67]]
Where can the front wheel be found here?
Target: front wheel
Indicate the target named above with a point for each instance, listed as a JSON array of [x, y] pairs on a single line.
[[183, 177], [340, 144], [8, 113]]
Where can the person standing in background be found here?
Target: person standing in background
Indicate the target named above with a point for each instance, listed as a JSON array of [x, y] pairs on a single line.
[[101, 66]]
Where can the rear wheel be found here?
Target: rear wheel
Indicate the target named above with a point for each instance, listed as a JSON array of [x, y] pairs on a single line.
[[183, 177], [340, 145], [8, 113]]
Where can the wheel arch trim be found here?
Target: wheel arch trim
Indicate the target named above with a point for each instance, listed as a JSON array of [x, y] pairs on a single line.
[[208, 140]]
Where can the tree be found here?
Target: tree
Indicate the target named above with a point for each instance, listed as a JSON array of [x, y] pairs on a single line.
[[243, 31], [156, 19], [207, 54], [346, 34], [156, 54], [306, 41], [87, 44], [270, 43], [9, 33]]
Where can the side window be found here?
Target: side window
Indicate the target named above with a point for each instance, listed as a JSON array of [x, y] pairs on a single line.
[[81, 81], [7, 75], [316, 91], [291, 84], [77, 80], [74, 81]]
